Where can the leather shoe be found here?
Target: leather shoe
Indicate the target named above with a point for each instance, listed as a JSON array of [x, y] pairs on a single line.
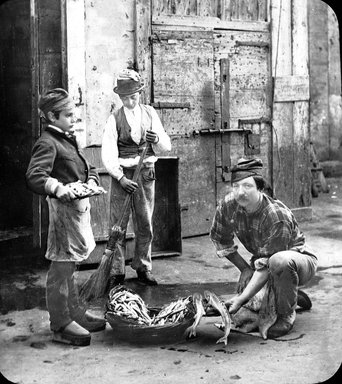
[[282, 326], [72, 334], [92, 323], [146, 277], [114, 281]]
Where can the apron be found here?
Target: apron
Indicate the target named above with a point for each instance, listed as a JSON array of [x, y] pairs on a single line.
[[70, 236]]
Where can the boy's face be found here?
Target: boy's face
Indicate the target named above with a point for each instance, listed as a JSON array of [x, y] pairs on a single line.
[[65, 120], [130, 101]]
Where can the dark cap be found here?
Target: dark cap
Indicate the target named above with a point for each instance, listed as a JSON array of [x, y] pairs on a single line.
[[246, 168], [128, 83], [55, 100]]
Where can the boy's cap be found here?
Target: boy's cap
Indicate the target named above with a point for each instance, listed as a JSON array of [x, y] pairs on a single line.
[[246, 168], [128, 82], [55, 100]]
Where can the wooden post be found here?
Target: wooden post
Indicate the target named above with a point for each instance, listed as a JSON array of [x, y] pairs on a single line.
[[75, 30], [225, 122], [282, 112], [301, 139], [142, 49]]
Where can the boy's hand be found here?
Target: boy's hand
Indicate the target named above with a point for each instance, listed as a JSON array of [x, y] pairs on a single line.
[[151, 137], [128, 185], [64, 194], [92, 184]]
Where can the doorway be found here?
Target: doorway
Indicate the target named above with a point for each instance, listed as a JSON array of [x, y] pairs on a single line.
[[15, 117]]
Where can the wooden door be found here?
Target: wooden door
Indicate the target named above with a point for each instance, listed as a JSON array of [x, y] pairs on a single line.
[[242, 102], [183, 94], [48, 68]]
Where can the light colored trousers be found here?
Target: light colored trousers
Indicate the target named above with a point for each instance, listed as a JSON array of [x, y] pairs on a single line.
[[142, 205], [289, 270]]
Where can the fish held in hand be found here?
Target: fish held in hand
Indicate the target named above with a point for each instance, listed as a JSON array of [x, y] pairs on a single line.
[[197, 301], [215, 302]]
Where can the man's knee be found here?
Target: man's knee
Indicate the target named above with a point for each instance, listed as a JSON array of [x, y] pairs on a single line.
[[279, 262]]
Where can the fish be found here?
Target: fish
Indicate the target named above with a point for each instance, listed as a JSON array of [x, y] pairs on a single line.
[[245, 320], [173, 312], [268, 311], [215, 302], [197, 301]]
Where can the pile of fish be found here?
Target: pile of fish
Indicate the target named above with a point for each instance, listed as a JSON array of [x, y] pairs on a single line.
[[127, 304], [82, 190], [172, 313]]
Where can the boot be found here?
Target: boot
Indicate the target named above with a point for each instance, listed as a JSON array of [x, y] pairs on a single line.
[[72, 334], [146, 277], [303, 300], [114, 281], [92, 323]]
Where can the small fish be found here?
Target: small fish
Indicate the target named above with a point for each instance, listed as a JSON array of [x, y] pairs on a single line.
[[215, 302], [198, 304]]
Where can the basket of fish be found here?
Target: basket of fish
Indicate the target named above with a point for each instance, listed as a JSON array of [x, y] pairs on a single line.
[[133, 321]]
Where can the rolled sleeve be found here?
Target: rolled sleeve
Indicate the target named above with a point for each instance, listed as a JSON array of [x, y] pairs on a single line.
[[221, 232]]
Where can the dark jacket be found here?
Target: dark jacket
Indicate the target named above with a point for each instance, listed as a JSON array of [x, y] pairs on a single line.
[[55, 155]]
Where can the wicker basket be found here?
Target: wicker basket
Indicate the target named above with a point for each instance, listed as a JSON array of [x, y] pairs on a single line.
[[128, 330]]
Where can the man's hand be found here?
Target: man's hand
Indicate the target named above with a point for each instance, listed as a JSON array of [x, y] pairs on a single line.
[[234, 304], [64, 194], [151, 137], [244, 279], [128, 185]]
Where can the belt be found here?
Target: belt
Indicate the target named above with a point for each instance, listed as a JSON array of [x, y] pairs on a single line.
[[145, 165]]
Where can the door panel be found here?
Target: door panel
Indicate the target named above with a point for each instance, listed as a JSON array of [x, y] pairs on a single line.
[[242, 102], [183, 93]]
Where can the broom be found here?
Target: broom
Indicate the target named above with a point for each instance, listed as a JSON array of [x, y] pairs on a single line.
[[96, 284]]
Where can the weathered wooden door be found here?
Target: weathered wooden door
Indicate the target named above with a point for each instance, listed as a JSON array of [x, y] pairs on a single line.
[[242, 101], [183, 94], [48, 69]]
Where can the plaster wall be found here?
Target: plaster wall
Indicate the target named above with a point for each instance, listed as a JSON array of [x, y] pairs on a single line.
[[106, 43]]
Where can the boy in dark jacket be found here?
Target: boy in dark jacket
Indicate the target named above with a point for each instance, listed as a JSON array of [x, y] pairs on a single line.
[[57, 161]]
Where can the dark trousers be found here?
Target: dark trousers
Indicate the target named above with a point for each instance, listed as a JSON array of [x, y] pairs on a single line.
[[62, 298], [289, 270]]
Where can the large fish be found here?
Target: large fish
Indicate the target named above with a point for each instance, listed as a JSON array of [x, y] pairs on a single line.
[[268, 311], [197, 301], [245, 320], [216, 303]]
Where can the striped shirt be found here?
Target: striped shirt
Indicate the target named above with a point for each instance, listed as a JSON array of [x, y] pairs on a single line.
[[270, 229]]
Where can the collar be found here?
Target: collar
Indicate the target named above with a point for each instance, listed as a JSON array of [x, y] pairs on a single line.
[[135, 110], [66, 133], [56, 128]]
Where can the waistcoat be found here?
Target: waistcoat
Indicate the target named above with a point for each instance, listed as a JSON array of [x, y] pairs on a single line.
[[127, 147]]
